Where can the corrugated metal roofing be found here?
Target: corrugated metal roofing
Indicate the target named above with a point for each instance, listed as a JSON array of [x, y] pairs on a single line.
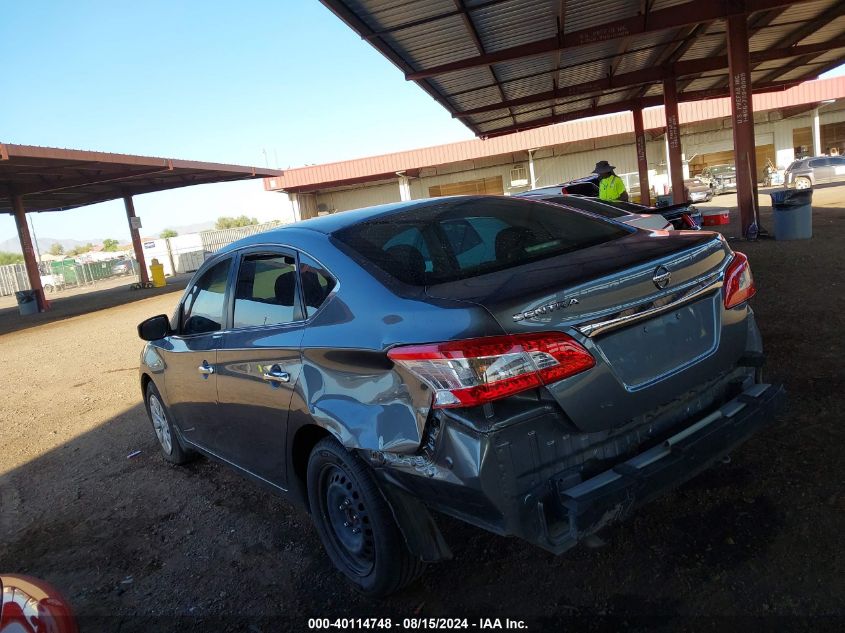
[[471, 54], [379, 167]]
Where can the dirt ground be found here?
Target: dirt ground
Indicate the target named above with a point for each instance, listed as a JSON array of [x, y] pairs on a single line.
[[138, 545]]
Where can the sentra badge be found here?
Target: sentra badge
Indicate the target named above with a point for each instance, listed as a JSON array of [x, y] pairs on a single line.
[[546, 309]]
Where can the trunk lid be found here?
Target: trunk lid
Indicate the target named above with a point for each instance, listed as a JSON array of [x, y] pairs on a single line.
[[646, 306]]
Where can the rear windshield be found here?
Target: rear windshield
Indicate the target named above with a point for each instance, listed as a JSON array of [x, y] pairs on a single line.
[[455, 240]]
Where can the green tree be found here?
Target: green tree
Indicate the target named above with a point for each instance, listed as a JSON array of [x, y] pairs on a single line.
[[79, 250], [226, 222], [110, 246], [168, 233], [57, 249], [10, 258]]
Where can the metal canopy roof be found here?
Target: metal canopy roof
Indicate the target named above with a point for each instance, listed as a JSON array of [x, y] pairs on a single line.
[[51, 179], [508, 65]]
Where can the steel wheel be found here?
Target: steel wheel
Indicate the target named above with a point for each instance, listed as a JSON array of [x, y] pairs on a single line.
[[160, 424], [348, 519], [803, 183]]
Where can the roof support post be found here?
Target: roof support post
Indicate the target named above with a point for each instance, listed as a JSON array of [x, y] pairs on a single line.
[[136, 239], [32, 272], [673, 140], [642, 159], [304, 205], [817, 133], [404, 186], [742, 117]]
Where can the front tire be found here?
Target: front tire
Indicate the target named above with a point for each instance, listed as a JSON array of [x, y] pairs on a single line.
[[168, 441], [803, 183], [355, 522]]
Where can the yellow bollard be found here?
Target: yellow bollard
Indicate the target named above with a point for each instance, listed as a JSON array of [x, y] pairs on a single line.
[[157, 271]]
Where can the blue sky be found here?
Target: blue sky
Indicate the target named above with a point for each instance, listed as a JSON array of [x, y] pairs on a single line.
[[213, 81]]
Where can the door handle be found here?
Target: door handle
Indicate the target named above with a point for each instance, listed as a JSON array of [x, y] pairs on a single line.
[[275, 374], [205, 369]]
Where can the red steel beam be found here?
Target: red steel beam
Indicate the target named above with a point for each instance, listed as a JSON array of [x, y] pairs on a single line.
[[678, 16], [136, 239], [742, 116], [32, 272], [642, 160], [653, 75], [631, 104], [673, 136]]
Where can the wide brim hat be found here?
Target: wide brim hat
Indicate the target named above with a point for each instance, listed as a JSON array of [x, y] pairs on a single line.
[[603, 167]]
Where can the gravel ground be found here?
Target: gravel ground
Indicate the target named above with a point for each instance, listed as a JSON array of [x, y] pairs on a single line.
[[138, 545]]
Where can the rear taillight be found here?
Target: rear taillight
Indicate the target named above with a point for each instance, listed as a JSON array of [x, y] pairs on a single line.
[[687, 221], [474, 371], [739, 282]]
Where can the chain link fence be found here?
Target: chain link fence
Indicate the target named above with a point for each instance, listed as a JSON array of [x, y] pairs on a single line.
[[178, 255], [63, 274]]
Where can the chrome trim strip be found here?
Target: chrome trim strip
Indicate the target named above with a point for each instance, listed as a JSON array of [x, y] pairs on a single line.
[[694, 292]]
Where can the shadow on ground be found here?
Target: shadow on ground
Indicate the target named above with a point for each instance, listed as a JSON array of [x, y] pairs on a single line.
[[66, 307], [138, 545]]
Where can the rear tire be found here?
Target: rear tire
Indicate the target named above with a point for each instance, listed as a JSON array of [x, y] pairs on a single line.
[[803, 183], [168, 440], [355, 522]]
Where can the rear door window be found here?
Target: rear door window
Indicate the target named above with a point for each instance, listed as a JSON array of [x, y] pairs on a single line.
[[203, 307], [838, 164], [818, 162], [317, 284], [441, 242], [266, 291]]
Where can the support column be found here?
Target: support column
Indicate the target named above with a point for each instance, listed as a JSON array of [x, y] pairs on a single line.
[[742, 116], [532, 178], [32, 271], [817, 134], [304, 205], [642, 159], [136, 239], [404, 187], [673, 140]]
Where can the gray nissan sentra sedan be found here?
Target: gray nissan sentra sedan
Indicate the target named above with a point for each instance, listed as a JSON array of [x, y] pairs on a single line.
[[533, 370]]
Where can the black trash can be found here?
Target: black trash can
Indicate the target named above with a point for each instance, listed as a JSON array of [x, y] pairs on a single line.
[[793, 214], [27, 303]]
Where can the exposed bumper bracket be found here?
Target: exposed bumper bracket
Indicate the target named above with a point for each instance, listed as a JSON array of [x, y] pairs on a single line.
[[590, 505]]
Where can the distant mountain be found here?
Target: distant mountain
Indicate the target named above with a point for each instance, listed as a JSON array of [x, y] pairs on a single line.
[[12, 245]]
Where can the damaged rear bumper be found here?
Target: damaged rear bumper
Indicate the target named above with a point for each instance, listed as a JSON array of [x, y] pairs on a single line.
[[592, 504], [471, 476]]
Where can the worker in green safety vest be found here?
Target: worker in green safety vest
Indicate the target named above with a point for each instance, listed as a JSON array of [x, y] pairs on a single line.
[[611, 186]]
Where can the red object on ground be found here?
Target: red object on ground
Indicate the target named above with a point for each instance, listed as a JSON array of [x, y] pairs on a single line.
[[715, 217], [30, 605]]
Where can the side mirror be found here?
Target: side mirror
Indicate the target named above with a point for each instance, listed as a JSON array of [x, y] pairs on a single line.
[[154, 328]]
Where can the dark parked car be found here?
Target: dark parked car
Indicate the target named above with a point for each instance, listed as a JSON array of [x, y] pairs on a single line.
[[533, 370], [678, 216], [720, 178], [587, 186], [809, 172], [697, 190]]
